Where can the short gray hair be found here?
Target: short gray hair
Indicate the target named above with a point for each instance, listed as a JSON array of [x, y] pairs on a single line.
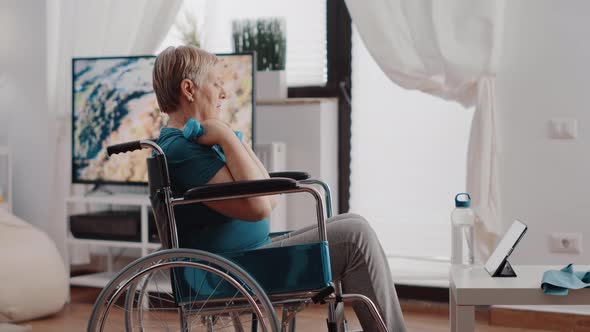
[[175, 64]]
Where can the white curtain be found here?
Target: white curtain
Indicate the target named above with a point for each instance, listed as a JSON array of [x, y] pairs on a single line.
[[448, 49], [78, 28]]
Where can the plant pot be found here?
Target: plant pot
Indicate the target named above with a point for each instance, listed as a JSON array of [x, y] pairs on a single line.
[[271, 85]]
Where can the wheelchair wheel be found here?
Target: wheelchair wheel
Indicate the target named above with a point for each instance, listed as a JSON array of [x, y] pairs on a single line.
[[182, 290]]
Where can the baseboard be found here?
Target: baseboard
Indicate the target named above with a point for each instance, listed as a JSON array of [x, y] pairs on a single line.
[[550, 321], [98, 263], [504, 317], [482, 313], [420, 293]]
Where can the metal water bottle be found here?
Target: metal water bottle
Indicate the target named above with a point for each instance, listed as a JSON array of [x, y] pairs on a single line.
[[462, 223]]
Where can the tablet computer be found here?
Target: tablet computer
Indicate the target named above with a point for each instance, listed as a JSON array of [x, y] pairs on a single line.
[[497, 265]]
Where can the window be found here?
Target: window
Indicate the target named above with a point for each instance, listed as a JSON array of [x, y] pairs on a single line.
[[408, 160], [306, 31], [322, 44]]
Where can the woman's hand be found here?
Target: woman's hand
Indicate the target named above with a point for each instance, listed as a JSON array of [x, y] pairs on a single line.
[[215, 132]]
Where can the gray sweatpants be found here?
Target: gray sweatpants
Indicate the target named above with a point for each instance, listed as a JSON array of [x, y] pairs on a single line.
[[359, 262]]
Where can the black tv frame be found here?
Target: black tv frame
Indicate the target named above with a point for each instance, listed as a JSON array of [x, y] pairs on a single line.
[[75, 180]]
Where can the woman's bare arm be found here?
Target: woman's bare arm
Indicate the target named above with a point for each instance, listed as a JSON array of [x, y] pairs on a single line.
[[239, 166], [264, 173]]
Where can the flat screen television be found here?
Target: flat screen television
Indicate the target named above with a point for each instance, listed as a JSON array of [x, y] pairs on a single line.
[[113, 102]]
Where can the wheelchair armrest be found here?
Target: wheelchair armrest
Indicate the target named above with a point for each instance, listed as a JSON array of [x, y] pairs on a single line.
[[277, 234], [241, 189], [221, 190], [297, 176]]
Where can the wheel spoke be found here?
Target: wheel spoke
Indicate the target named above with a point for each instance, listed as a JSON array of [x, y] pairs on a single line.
[[151, 305]]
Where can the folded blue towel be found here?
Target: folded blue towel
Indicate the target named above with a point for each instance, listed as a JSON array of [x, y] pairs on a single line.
[[558, 282]]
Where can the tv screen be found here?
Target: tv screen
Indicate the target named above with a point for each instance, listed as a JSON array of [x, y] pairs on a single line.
[[113, 102]]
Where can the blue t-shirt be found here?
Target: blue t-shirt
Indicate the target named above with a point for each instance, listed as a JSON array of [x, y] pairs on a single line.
[[199, 227]]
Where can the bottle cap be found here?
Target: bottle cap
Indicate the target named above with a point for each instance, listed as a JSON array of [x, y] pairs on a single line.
[[462, 203]]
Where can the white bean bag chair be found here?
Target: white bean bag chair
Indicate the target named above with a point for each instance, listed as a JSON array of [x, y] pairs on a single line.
[[33, 277]]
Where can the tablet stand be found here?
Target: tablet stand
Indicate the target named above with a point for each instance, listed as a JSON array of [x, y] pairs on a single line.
[[505, 270]]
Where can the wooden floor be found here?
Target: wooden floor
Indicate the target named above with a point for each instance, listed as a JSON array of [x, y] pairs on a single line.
[[420, 317], [74, 317]]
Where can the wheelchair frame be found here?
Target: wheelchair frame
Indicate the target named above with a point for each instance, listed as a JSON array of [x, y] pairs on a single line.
[[253, 294]]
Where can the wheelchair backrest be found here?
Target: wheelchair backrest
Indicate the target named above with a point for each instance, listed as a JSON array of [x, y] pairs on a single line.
[[158, 184]]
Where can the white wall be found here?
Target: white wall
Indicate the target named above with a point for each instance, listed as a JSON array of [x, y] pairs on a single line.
[[23, 105], [545, 74]]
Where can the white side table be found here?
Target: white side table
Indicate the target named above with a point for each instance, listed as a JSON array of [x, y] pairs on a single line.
[[471, 286]]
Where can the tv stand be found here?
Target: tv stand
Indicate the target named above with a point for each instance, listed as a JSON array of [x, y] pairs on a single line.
[[98, 187], [85, 203]]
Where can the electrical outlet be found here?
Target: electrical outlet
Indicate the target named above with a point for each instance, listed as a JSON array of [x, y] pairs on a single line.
[[566, 243], [563, 128]]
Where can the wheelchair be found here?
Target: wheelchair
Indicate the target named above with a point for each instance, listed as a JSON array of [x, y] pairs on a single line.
[[178, 289]]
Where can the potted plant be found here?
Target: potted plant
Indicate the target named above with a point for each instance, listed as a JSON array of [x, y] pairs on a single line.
[[265, 36]]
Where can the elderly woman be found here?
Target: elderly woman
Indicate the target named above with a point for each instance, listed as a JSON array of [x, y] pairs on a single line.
[[187, 82]]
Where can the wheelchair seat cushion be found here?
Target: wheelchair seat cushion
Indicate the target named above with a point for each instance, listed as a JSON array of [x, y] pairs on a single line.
[[279, 270], [33, 274]]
